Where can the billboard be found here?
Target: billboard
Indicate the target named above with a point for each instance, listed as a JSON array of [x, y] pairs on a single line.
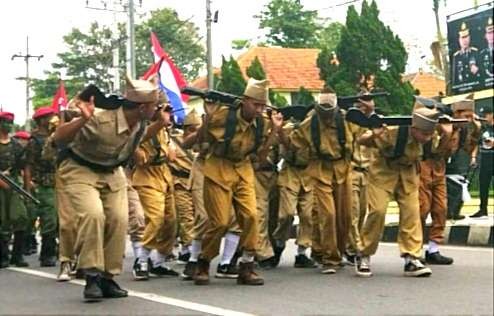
[[471, 44]]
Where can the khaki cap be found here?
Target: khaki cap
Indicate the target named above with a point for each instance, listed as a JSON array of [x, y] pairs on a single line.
[[192, 118], [142, 91], [467, 104], [327, 101], [257, 89], [424, 119]]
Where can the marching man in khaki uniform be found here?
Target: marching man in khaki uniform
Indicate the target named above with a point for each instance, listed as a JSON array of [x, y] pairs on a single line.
[[393, 174], [180, 169], [296, 194], [361, 157], [153, 181], [323, 142], [234, 132], [98, 144]]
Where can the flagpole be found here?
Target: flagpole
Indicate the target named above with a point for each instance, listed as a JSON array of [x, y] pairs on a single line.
[[209, 46]]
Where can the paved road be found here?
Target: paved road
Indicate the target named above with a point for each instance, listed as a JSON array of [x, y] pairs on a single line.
[[464, 288]]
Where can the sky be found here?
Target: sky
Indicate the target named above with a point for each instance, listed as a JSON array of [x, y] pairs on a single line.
[[47, 21]]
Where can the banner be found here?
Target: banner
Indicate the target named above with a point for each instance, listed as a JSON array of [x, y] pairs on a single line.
[[470, 43]]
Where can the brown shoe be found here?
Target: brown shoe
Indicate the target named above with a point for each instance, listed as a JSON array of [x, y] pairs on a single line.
[[247, 276], [201, 277]]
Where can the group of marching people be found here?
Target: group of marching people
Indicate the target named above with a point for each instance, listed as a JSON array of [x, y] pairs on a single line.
[[238, 173]]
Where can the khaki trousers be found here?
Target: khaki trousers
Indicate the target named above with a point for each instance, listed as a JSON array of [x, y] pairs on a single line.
[[303, 203], [67, 223], [265, 182], [185, 214], [410, 231], [136, 215], [433, 200], [333, 218], [160, 218], [359, 210], [200, 214], [219, 201]]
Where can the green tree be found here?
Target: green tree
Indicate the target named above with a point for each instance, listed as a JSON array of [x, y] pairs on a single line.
[[330, 36], [371, 57], [179, 38], [231, 79], [89, 56], [289, 25], [303, 97], [255, 70]]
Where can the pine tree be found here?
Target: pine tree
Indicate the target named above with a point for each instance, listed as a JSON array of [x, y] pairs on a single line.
[[255, 70], [231, 80], [371, 57], [304, 97]]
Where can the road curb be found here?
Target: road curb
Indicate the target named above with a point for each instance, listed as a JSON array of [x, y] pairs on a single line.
[[466, 235]]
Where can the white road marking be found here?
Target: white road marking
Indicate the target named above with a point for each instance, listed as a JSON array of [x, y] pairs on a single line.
[[208, 309], [451, 247]]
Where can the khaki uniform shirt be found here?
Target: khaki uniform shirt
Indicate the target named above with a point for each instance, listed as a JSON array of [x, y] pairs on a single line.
[[386, 171], [106, 140], [218, 165], [181, 166], [322, 170], [361, 155], [149, 172]]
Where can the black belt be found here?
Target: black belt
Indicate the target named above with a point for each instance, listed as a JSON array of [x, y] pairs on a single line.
[[180, 173], [95, 167], [360, 169]]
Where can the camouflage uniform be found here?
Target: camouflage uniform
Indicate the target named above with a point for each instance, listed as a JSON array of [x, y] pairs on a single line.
[[13, 214], [43, 176]]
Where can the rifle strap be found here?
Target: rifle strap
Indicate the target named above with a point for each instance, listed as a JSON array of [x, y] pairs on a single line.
[[316, 135], [230, 126], [401, 142]]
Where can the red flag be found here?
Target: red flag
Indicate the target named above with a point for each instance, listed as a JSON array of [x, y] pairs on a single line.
[[153, 69], [60, 99]]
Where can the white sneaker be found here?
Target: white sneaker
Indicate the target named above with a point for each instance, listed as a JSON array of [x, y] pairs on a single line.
[[64, 274], [362, 266], [415, 268]]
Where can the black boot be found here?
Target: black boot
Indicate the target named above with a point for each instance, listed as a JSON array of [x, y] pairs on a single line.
[[4, 252], [30, 245], [111, 289], [17, 258], [48, 255], [92, 290]]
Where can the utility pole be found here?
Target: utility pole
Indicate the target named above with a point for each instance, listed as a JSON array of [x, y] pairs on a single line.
[[116, 52], [209, 59], [131, 59], [26, 59]]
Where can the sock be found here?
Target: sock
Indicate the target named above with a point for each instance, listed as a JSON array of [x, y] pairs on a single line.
[[158, 259], [231, 244], [408, 259], [143, 255], [136, 247], [433, 247], [195, 250], [184, 249], [246, 257], [301, 250]]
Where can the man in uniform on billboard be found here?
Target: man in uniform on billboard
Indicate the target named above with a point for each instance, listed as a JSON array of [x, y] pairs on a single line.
[[486, 54], [465, 68]]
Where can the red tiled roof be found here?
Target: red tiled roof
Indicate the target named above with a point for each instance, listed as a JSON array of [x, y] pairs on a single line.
[[286, 68], [428, 84]]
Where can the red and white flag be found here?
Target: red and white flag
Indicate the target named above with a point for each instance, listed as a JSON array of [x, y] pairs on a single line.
[[60, 101]]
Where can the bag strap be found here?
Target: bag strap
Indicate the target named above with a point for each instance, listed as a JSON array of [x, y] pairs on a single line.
[[230, 126], [316, 135], [401, 142]]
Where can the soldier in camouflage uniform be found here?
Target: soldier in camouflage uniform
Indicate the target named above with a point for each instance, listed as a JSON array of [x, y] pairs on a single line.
[[41, 181], [13, 215]]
